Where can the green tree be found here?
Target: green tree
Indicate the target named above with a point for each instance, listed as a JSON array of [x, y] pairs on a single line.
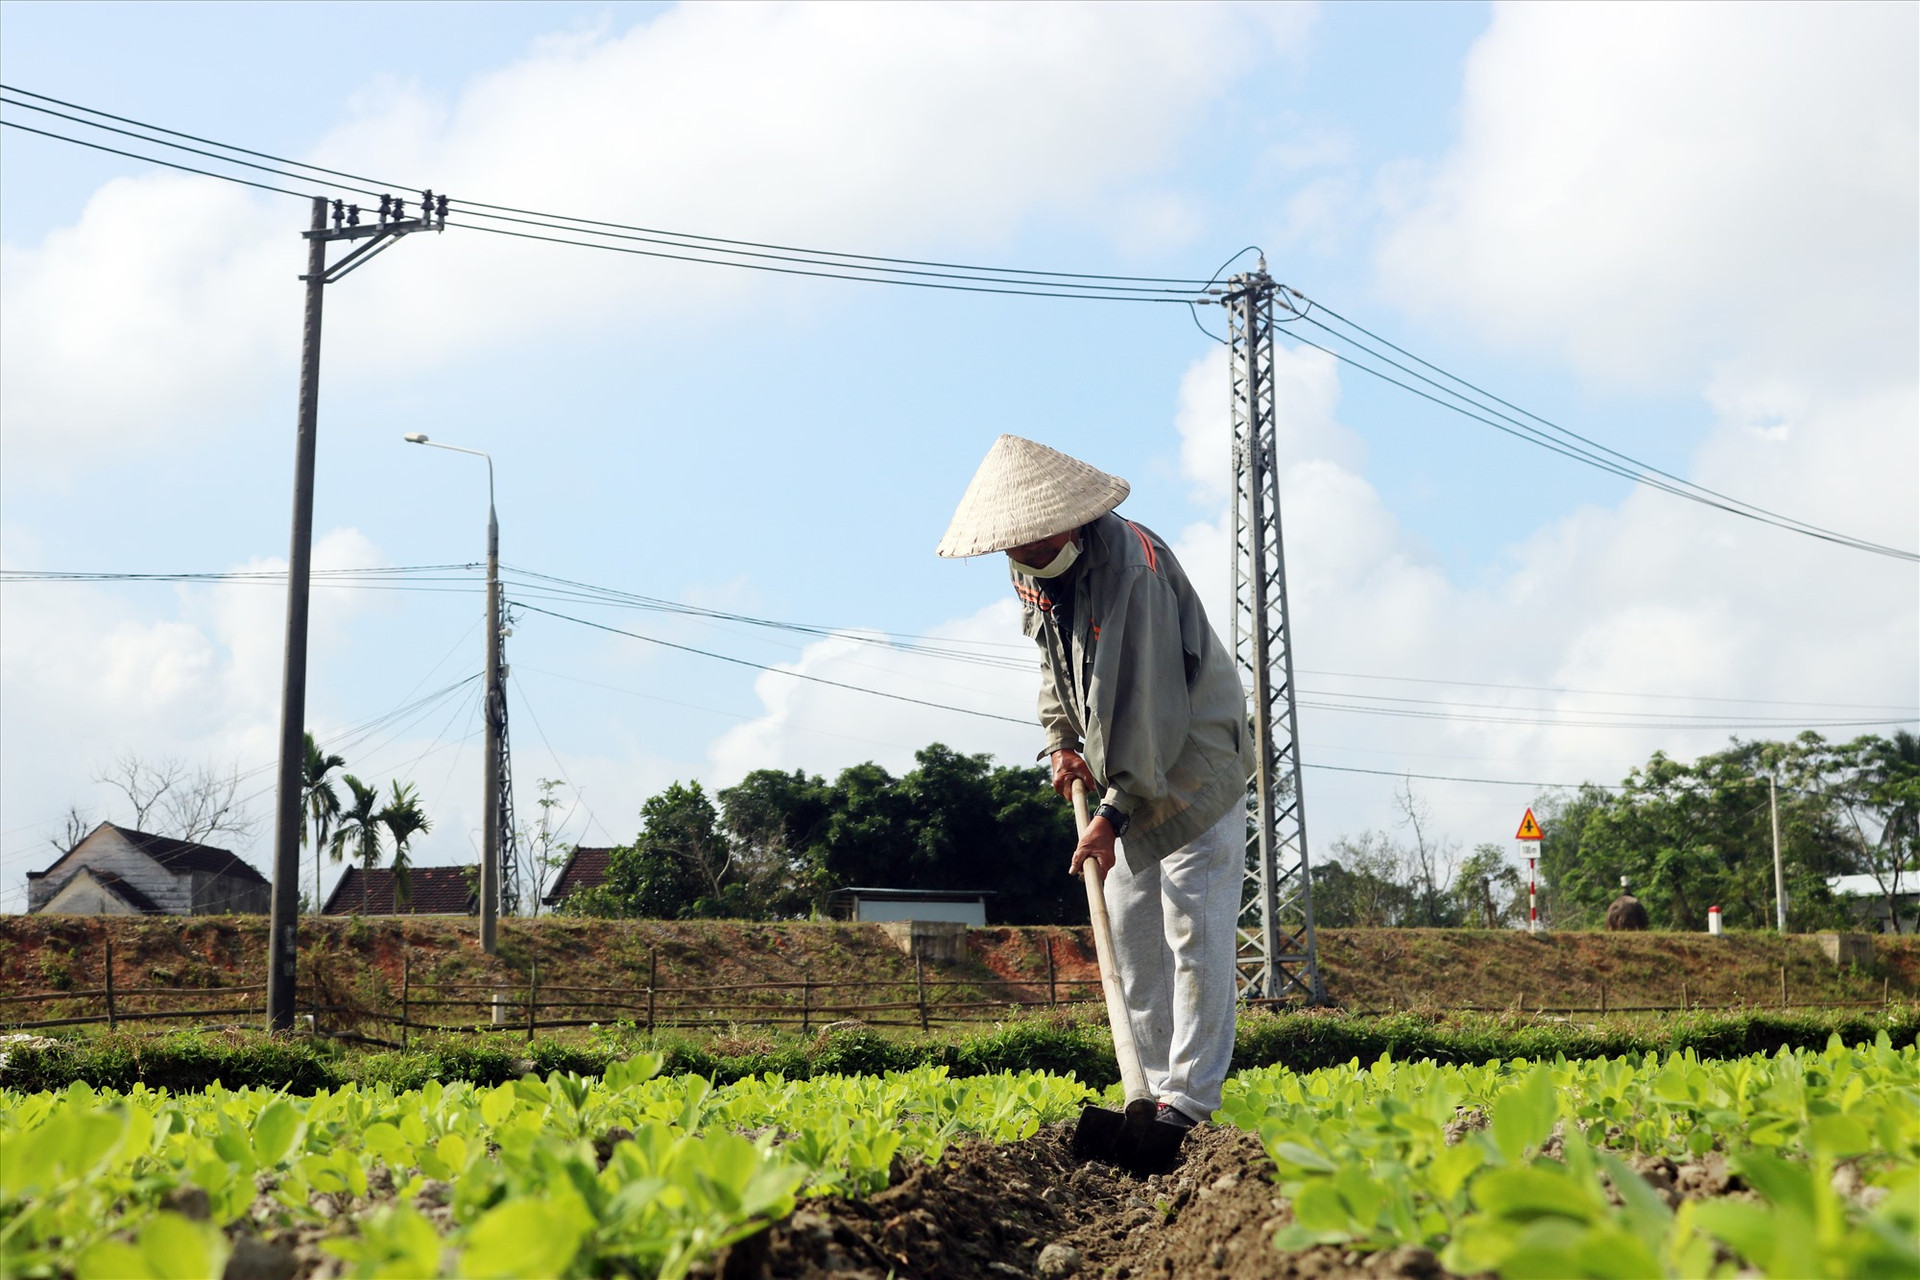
[[675, 868], [357, 831], [1693, 835], [1487, 890], [1362, 884], [403, 819], [1877, 791], [319, 802], [772, 820]]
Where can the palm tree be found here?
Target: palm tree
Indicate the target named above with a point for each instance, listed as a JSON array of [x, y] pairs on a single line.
[[321, 803], [404, 820], [357, 831]]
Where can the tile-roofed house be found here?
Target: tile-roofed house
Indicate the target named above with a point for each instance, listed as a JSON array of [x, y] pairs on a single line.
[[435, 891], [116, 870], [585, 869]]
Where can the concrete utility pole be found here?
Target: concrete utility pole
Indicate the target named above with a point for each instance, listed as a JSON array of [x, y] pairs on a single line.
[[283, 937], [1278, 952], [495, 805], [1779, 874]]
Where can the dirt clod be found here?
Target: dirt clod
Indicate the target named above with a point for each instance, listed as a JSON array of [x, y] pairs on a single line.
[[256, 1259], [1058, 1260]]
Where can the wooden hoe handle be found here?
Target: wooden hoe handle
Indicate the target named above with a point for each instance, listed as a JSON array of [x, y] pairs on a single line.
[[1131, 1076]]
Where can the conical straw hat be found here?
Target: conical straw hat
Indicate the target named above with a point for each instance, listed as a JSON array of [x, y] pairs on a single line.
[[1026, 491]]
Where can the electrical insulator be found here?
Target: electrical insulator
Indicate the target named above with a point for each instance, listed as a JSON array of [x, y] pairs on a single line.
[[440, 208], [386, 207], [353, 215], [399, 208], [339, 212]]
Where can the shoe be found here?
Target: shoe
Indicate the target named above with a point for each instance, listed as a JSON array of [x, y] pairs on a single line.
[[1167, 1113]]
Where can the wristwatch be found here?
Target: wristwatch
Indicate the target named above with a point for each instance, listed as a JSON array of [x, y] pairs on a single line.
[[1117, 818]]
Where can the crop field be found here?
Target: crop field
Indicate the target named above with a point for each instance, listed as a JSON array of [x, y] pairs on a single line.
[[1801, 1163]]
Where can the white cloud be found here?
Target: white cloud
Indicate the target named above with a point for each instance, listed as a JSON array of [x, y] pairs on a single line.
[[822, 729], [883, 128], [1645, 191], [93, 673]]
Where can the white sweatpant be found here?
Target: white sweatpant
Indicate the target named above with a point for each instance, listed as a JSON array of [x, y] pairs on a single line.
[[1173, 936]]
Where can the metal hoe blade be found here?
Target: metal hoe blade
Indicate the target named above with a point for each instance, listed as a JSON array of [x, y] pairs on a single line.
[[1134, 1140]]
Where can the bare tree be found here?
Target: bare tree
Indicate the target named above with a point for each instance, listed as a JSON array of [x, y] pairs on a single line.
[[145, 783], [1432, 861], [168, 799], [74, 826]]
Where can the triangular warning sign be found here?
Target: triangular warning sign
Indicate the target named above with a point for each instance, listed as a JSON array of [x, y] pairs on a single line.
[[1529, 829]]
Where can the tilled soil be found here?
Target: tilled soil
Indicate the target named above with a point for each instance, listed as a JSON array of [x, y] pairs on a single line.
[[1028, 1209]]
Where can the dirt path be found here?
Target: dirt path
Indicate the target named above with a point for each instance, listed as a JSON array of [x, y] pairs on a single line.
[[986, 1212]]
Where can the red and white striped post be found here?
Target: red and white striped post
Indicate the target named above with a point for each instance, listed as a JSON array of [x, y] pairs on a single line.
[[1530, 831]]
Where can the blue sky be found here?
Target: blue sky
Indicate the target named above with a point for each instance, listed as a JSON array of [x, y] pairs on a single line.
[[1631, 222]]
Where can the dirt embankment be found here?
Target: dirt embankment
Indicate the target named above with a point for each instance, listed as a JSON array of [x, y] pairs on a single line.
[[1364, 969]]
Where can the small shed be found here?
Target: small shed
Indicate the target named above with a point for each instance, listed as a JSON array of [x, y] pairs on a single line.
[[1866, 899], [955, 906]]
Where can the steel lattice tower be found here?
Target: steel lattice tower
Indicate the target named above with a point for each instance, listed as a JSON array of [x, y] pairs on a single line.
[[509, 838], [1277, 954]]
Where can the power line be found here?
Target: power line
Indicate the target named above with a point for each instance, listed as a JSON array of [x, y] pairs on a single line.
[[530, 584], [709, 250], [383, 187], [955, 277], [1574, 446]]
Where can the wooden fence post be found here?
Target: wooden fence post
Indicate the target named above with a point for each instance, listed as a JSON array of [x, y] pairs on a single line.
[[1783, 986], [652, 971], [406, 994], [806, 1003], [112, 1017], [1051, 1002], [1685, 1003], [920, 980], [1886, 985], [1603, 995], [533, 988]]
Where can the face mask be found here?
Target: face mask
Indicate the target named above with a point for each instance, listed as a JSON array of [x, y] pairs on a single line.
[[1061, 562]]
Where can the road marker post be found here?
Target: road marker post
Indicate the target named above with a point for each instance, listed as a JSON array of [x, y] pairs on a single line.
[[1530, 831]]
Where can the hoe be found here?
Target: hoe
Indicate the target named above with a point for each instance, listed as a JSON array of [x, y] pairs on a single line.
[[1132, 1139]]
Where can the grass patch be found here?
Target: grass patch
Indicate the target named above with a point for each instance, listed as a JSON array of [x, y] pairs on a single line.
[[189, 1060]]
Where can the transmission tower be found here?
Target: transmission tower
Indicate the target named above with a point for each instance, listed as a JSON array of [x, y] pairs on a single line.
[[509, 855], [1277, 955]]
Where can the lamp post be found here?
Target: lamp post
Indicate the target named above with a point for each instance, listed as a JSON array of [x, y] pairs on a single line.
[[495, 713]]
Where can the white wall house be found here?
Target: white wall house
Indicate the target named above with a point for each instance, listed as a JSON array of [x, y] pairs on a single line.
[[118, 871]]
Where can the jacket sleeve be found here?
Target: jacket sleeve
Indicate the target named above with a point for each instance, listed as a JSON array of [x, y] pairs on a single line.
[[1141, 707], [1054, 720]]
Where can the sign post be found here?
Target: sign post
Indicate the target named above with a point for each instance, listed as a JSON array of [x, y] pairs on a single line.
[[1530, 831]]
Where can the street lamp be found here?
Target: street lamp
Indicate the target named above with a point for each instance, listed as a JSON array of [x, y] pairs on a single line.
[[496, 707]]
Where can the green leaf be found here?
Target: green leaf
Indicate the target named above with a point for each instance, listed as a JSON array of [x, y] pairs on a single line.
[[273, 1132], [112, 1260], [1531, 1192], [525, 1238], [177, 1248], [1319, 1208], [1839, 1135], [1523, 1116]]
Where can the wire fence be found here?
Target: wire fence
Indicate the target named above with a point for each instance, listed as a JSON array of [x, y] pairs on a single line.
[[328, 1008], [526, 1005]]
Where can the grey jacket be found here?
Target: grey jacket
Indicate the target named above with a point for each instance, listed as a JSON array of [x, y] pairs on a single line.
[[1152, 700]]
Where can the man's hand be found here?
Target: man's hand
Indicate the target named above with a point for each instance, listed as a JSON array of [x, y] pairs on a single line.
[[1097, 844], [1068, 765]]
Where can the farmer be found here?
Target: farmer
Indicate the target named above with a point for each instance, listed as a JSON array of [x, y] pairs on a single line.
[[1141, 702]]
